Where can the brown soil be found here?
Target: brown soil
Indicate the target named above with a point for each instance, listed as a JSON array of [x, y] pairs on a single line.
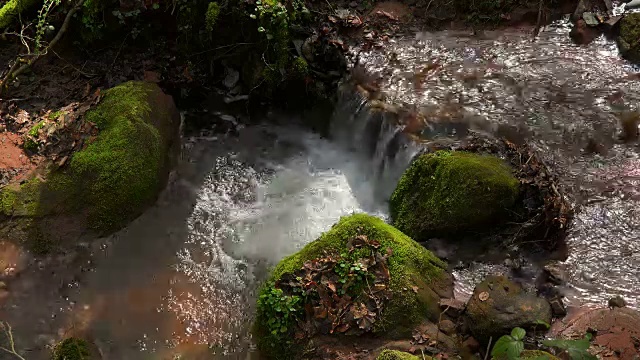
[[14, 162]]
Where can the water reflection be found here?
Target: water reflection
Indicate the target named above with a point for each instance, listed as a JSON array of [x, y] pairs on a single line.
[[564, 99]]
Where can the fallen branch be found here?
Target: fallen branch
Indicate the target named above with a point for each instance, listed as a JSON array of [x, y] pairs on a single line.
[[18, 69]]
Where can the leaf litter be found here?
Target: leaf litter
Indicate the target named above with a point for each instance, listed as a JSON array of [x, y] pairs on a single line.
[[343, 293]]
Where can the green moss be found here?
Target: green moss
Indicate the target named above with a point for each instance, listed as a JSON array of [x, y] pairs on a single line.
[[211, 17], [120, 169], [447, 193], [629, 39], [399, 355], [34, 130], [21, 200], [71, 349], [409, 265], [300, 67], [55, 115], [535, 354], [11, 9]]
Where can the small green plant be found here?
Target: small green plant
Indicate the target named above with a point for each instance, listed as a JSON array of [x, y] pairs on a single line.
[[280, 310], [509, 346], [576, 349], [211, 17], [42, 25]]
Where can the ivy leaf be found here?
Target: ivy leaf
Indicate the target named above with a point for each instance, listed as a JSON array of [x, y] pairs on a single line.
[[508, 347], [518, 333]]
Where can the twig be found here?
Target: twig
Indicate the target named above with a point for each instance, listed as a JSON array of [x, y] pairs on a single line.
[[488, 348], [118, 53], [15, 72], [75, 68], [7, 330], [536, 31]]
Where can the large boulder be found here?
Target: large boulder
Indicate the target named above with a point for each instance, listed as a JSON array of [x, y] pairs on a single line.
[[362, 276], [446, 193], [629, 39], [106, 184], [498, 305]]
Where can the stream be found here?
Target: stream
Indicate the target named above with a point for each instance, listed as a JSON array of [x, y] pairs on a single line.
[[180, 281]]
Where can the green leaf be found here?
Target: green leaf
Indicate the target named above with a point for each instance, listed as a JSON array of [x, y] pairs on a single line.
[[507, 347], [518, 333], [577, 349]]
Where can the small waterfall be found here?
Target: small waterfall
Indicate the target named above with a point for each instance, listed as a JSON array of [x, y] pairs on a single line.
[[376, 136]]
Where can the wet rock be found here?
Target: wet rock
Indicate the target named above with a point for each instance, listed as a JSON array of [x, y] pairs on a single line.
[[499, 305], [629, 39], [231, 79], [634, 4], [583, 34], [617, 336], [448, 193], [105, 184], [414, 296]]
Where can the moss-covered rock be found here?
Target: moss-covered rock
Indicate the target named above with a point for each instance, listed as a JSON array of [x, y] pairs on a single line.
[[113, 179], [417, 280], [536, 354], [446, 193], [71, 349], [629, 39], [10, 10], [399, 355], [498, 305]]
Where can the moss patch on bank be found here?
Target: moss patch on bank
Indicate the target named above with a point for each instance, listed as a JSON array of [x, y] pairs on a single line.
[[120, 168], [71, 349], [445, 193], [399, 355], [10, 10], [414, 274], [629, 39], [115, 177]]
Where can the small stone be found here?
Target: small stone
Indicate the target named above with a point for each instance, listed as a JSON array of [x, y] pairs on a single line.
[[3, 285], [471, 344], [617, 302], [447, 327], [353, 4], [590, 19], [232, 78]]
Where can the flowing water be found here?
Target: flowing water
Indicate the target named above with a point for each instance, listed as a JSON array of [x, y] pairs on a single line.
[[181, 279]]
